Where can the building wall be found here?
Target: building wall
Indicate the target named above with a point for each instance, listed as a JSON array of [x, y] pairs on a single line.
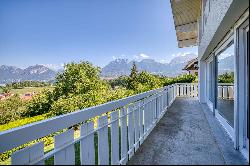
[[212, 16], [217, 19], [193, 72], [219, 22]]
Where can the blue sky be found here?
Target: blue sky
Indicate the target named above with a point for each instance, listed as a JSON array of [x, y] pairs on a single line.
[[54, 32]]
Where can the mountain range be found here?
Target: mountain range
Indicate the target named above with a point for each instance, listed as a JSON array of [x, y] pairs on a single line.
[[32, 73], [115, 68], [120, 67]]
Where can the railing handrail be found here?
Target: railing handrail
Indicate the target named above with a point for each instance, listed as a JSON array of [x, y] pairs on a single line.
[[18, 136], [226, 84], [186, 83]]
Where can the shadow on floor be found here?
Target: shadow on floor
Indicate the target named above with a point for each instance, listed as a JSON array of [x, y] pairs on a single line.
[[182, 136]]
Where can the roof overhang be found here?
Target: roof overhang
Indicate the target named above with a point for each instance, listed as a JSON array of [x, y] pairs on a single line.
[[186, 14]]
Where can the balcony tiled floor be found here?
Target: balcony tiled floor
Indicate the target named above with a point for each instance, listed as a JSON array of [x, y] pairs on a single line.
[[184, 136]]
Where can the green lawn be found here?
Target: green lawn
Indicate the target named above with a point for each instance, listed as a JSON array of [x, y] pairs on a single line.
[[30, 90]]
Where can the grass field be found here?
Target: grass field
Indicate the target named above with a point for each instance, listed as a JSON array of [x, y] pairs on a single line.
[[30, 90]]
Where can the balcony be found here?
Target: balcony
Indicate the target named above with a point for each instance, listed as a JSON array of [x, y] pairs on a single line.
[[162, 126]]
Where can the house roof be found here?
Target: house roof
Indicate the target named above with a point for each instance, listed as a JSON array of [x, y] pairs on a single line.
[[192, 64], [186, 14]]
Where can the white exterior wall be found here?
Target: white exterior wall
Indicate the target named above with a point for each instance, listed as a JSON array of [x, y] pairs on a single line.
[[215, 12], [218, 9], [222, 18]]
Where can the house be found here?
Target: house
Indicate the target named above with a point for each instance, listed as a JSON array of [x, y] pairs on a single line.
[[27, 96], [2, 96], [220, 29], [192, 66]]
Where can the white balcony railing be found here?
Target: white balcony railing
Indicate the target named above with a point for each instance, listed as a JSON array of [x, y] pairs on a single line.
[[225, 91], [121, 132]]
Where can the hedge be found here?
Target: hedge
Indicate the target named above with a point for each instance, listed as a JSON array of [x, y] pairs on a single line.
[[47, 140], [22, 122]]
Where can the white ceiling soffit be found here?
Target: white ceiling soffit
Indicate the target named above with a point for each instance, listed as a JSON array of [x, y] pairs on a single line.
[[186, 13]]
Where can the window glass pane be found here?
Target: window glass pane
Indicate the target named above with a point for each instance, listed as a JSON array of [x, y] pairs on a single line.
[[225, 83], [247, 45], [210, 81]]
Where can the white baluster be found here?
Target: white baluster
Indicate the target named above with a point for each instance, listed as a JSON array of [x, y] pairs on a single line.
[[87, 148], [124, 149], [225, 92], [137, 126], [141, 110], [131, 131], [178, 90], [231, 92], [114, 127], [181, 90], [28, 155], [67, 155], [188, 91], [196, 90], [219, 91], [103, 146]]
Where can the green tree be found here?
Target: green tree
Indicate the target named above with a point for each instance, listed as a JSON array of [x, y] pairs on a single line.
[[79, 86], [40, 104], [121, 81], [11, 109], [148, 81], [226, 78], [132, 80], [6, 89]]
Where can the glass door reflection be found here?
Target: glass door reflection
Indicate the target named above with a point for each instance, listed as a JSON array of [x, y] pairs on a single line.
[[225, 84]]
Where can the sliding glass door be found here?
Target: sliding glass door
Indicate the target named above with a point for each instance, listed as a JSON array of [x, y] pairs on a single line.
[[246, 139], [225, 84]]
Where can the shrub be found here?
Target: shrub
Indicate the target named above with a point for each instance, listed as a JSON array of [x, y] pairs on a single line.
[[12, 109], [226, 78], [40, 104], [47, 140], [22, 122]]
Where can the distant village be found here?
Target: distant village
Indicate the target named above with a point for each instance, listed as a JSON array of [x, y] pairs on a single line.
[[26, 96]]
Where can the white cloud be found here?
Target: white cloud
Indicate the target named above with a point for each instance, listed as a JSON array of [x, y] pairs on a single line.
[[180, 54], [141, 56], [224, 55], [54, 66], [164, 61], [119, 57], [144, 56]]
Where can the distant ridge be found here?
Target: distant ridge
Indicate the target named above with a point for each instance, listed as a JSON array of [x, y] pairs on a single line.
[[114, 69], [120, 67], [33, 73]]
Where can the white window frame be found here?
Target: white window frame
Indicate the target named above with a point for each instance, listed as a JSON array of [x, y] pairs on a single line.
[[229, 129], [240, 117], [208, 61]]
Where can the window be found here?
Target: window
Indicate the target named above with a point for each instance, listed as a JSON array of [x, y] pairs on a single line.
[[225, 84]]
